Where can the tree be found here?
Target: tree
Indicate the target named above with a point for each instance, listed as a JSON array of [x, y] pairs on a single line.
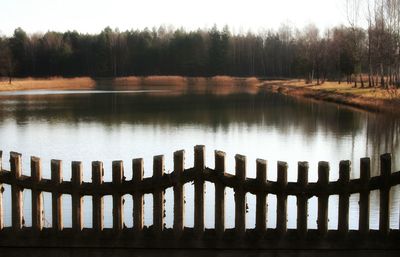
[[353, 14], [311, 44], [18, 45], [219, 48], [6, 60]]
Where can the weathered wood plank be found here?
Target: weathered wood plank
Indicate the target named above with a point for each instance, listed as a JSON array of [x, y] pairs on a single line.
[[16, 192], [77, 199], [199, 166], [365, 175], [158, 196], [97, 198], [281, 209], [219, 194], [344, 179], [37, 200], [56, 178], [384, 210], [179, 206], [323, 179], [117, 177], [261, 200], [240, 196], [302, 199], [138, 219]]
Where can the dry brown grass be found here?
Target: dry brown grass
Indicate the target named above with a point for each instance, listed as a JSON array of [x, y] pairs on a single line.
[[47, 83], [127, 81], [219, 85], [349, 89], [165, 80], [253, 81], [375, 99], [222, 81]]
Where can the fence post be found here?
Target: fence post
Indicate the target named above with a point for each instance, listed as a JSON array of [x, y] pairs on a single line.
[[16, 192], [98, 200], [220, 194], [302, 199], [344, 178], [158, 195], [37, 202], [240, 196], [77, 199], [1, 193], [261, 200], [179, 212], [56, 177], [365, 174], [281, 209], [117, 176], [137, 171], [384, 214], [199, 166], [323, 180]]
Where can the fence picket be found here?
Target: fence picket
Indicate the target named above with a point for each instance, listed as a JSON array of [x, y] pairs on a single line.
[[365, 174], [158, 195], [37, 200], [261, 198], [240, 196], [323, 179], [199, 165], [220, 194], [179, 208], [56, 177], [117, 177], [302, 200], [16, 192], [281, 198], [384, 202], [137, 170], [98, 199], [77, 199]]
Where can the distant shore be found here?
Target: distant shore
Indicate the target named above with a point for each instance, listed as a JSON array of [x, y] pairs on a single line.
[[51, 83], [60, 83], [372, 99]]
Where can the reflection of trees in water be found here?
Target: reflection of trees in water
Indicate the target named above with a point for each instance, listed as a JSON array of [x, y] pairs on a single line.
[[382, 135], [264, 110]]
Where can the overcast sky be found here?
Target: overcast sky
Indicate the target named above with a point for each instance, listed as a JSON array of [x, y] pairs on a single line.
[[91, 16]]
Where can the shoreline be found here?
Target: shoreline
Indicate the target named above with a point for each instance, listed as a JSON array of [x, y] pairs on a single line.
[[370, 99], [62, 83], [381, 104]]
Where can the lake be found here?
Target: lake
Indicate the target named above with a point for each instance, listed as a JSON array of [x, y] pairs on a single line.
[[121, 123]]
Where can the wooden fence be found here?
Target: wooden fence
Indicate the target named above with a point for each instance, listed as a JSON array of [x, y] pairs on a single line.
[[157, 236]]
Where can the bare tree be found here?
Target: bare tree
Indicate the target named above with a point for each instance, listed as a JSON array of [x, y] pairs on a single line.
[[310, 40], [353, 15]]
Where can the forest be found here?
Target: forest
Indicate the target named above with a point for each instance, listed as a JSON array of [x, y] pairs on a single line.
[[364, 56]]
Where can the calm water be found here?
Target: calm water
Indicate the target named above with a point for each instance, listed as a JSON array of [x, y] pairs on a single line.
[[124, 123]]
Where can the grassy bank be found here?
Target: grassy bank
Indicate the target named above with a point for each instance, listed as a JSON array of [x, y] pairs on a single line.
[[372, 99], [59, 83], [56, 83]]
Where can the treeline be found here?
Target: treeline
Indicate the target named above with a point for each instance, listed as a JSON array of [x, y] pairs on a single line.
[[343, 52]]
